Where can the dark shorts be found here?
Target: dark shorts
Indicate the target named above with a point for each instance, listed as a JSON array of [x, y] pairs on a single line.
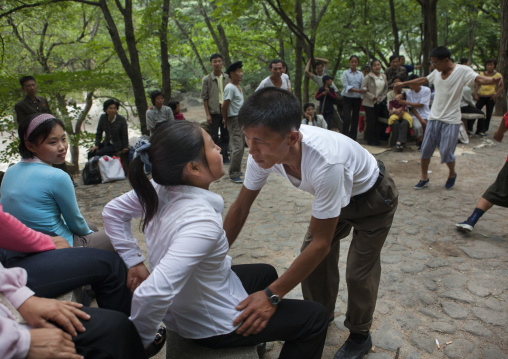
[[497, 193]]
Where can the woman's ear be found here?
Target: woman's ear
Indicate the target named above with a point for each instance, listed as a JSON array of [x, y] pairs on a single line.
[[193, 168], [31, 146]]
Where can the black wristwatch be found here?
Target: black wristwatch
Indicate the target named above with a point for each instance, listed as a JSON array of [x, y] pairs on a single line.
[[273, 298]]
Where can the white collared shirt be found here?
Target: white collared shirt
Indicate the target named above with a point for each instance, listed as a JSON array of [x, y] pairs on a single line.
[[191, 288]]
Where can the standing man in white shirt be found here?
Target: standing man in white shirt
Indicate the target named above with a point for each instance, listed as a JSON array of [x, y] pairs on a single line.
[[233, 101], [212, 93], [444, 120], [276, 79], [351, 190], [321, 67]]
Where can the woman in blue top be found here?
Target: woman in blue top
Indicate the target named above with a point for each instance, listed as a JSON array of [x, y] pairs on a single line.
[[41, 196], [352, 97]]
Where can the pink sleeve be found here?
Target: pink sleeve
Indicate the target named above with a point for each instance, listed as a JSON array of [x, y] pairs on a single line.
[[15, 236], [505, 118]]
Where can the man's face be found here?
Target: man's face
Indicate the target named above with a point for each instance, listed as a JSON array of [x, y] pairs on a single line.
[[236, 75], [329, 82], [159, 101], [216, 64], [30, 88], [439, 65], [276, 69], [402, 60], [266, 147], [319, 70], [394, 64]]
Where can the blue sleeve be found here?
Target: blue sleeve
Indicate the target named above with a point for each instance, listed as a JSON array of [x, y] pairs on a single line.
[[65, 197]]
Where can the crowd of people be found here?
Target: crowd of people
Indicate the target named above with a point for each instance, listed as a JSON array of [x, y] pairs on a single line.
[[48, 248]]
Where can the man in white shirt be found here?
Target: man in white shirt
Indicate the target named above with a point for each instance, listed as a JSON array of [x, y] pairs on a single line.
[[418, 98], [444, 119], [276, 79], [321, 67], [233, 101], [349, 186]]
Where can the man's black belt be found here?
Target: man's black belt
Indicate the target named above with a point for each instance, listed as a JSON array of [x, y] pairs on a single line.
[[380, 177]]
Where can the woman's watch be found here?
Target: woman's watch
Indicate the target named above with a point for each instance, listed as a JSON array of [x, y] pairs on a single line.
[[274, 299]]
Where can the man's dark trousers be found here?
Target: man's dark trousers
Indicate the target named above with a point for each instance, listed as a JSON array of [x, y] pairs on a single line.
[[223, 140]]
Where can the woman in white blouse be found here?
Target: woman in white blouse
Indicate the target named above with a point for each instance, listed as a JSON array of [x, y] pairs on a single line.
[[192, 287]]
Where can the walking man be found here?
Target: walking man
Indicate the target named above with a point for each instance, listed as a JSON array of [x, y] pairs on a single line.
[[233, 101], [352, 190], [212, 93], [444, 120]]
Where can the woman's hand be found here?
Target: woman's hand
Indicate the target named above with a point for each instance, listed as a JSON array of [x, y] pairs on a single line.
[[93, 149], [60, 242]]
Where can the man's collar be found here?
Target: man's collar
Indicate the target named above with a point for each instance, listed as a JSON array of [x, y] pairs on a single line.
[[214, 77]]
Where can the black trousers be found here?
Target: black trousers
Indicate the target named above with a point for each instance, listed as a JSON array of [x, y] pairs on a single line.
[[351, 115], [221, 140], [302, 325], [399, 131], [109, 335], [372, 113], [53, 273], [105, 149], [489, 103]]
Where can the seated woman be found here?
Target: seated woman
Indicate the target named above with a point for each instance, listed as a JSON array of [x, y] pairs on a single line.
[[193, 288], [310, 118], [41, 196], [115, 128], [400, 121]]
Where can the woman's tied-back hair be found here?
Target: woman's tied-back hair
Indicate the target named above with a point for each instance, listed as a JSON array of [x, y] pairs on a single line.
[[173, 145], [37, 136], [271, 107]]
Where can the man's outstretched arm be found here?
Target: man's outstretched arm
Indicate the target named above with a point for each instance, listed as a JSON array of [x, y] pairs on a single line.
[[257, 310], [238, 213]]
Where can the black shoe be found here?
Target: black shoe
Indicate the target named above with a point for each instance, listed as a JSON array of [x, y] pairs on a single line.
[[261, 349], [158, 343], [351, 349]]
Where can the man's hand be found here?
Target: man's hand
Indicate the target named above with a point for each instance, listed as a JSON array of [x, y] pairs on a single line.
[[60, 242], [209, 119], [51, 344], [42, 312], [257, 311], [93, 149], [398, 85], [136, 275], [225, 122], [476, 97], [125, 150]]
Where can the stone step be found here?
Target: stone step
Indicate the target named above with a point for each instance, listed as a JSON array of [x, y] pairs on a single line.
[[181, 348]]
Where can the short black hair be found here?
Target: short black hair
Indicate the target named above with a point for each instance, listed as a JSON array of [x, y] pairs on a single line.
[[154, 94], [38, 135], [412, 77], [364, 67], [402, 56], [441, 53], [215, 56], [373, 61], [463, 60], [24, 79], [173, 105], [110, 102], [399, 77], [393, 57], [354, 57], [271, 107], [307, 105], [317, 63], [491, 61], [276, 61]]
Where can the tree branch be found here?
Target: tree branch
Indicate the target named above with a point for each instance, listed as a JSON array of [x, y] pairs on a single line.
[[46, 2]]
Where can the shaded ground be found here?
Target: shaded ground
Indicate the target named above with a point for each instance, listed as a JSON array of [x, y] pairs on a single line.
[[436, 282]]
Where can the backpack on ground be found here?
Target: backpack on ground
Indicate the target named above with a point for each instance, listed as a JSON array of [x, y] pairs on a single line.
[[91, 173]]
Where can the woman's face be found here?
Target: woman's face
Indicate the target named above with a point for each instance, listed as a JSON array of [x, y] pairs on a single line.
[[53, 149], [353, 63], [376, 67], [490, 67], [310, 111], [112, 110], [213, 157]]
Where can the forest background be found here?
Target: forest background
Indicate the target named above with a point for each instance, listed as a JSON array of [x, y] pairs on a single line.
[[85, 50]]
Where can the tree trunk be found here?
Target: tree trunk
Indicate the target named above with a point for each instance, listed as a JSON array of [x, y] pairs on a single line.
[[165, 66], [77, 129], [297, 89], [395, 30], [130, 64], [502, 63], [429, 14]]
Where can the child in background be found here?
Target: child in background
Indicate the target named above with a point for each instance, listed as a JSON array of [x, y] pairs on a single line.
[[175, 106], [397, 111]]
